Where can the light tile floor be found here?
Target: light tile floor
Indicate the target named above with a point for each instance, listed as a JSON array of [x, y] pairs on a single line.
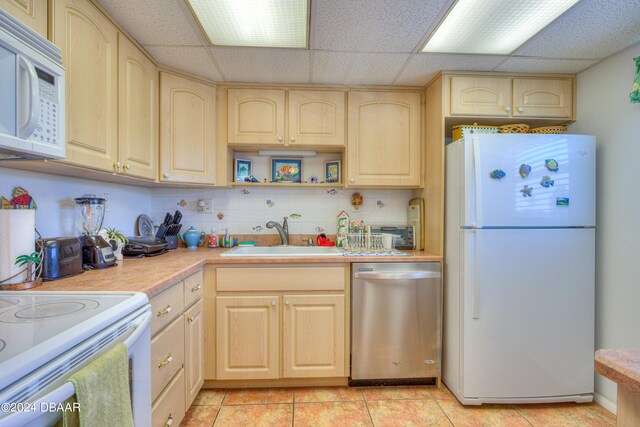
[[377, 406]]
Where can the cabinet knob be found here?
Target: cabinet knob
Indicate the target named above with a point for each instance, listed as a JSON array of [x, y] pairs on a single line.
[[169, 421], [166, 175], [280, 138], [352, 180], [273, 303], [190, 319], [164, 311], [127, 166], [287, 302], [508, 109], [292, 139], [196, 288], [520, 109], [117, 165]]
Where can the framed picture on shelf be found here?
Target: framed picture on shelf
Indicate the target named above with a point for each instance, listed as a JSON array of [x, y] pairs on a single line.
[[286, 170], [332, 171], [242, 169]]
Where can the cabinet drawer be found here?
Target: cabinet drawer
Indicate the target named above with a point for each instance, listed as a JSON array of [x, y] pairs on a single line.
[[265, 278], [193, 286], [167, 355], [169, 409], [166, 307]]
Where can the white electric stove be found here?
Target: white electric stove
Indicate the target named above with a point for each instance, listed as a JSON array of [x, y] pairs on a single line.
[[47, 336]]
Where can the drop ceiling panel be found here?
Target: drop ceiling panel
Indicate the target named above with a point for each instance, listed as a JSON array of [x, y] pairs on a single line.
[[263, 65], [156, 22], [375, 68], [593, 29], [372, 25], [543, 65], [194, 60], [423, 67], [330, 67]]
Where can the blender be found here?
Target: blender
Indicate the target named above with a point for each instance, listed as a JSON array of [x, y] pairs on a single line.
[[96, 251]]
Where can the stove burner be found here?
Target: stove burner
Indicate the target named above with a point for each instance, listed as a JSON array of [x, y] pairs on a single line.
[[3, 344], [48, 310]]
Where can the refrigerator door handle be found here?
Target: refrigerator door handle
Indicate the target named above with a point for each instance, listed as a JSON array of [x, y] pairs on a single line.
[[478, 179], [475, 306]]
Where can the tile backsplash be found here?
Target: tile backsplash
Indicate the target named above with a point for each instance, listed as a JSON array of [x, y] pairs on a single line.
[[247, 210]]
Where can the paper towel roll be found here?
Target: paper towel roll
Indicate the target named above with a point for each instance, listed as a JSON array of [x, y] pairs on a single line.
[[17, 237]]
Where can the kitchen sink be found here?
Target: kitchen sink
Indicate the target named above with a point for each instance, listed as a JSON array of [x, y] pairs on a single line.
[[286, 251]]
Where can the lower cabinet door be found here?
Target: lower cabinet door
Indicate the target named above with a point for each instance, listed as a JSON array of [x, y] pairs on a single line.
[[194, 351], [313, 336], [169, 409], [247, 337]]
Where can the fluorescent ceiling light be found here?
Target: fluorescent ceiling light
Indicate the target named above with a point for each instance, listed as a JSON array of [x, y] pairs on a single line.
[[257, 23], [290, 153], [493, 26]]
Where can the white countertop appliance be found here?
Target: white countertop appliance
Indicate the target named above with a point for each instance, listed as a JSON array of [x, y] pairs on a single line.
[[520, 255], [45, 337], [32, 84]]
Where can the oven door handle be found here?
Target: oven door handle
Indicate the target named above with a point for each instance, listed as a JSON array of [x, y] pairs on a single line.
[[413, 275], [66, 390], [140, 325]]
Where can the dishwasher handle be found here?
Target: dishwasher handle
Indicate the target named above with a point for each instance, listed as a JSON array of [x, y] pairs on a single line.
[[410, 275]]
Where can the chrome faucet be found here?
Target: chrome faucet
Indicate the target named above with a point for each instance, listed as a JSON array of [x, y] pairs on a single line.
[[283, 230]]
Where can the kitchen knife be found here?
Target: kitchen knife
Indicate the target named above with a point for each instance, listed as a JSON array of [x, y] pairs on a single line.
[[177, 217], [167, 219]]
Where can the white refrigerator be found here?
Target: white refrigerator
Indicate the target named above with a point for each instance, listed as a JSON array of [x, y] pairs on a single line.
[[519, 268]]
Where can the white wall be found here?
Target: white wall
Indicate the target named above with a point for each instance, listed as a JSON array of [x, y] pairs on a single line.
[[317, 207], [54, 196], [604, 110]]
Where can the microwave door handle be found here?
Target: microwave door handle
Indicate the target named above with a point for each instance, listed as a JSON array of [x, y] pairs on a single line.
[[34, 96]]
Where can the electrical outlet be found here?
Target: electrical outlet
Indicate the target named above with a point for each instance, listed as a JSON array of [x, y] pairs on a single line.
[[205, 206], [107, 205]]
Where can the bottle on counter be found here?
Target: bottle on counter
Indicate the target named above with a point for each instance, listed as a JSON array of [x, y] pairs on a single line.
[[212, 239]]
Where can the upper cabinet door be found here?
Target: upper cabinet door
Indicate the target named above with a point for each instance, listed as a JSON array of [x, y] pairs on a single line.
[[384, 139], [543, 98], [89, 43], [187, 130], [33, 13], [480, 96], [255, 116], [316, 118], [138, 142]]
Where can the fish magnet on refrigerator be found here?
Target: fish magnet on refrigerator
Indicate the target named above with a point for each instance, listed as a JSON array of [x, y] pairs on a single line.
[[524, 170], [497, 174], [526, 191], [552, 165]]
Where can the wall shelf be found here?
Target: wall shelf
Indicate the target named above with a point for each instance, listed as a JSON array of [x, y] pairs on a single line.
[[287, 184]]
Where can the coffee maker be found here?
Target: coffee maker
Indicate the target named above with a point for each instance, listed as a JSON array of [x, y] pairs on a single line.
[[96, 251]]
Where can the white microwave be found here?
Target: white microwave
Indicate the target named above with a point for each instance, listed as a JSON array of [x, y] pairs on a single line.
[[32, 94]]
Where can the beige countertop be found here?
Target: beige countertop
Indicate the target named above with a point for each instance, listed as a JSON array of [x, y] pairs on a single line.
[[621, 366], [153, 275]]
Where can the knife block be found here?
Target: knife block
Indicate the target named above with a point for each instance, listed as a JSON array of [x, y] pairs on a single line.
[[172, 241]]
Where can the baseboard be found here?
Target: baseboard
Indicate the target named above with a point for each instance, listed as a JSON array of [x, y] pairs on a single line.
[[605, 403]]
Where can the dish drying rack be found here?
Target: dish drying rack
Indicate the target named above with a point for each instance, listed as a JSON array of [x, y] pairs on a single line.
[[371, 244]]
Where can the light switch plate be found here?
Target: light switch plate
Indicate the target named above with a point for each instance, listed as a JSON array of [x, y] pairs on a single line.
[[205, 206]]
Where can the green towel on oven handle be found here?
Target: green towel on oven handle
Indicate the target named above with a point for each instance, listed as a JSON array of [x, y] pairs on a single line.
[[635, 90], [102, 391]]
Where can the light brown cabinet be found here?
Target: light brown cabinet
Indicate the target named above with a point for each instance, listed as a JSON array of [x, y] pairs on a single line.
[[313, 336], [33, 13], [177, 350], [247, 337], [384, 143], [509, 97], [194, 351], [551, 98], [255, 116], [138, 112], [89, 43], [316, 118], [270, 328], [187, 130], [484, 96]]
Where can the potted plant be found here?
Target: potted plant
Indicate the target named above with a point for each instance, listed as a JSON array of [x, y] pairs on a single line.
[[117, 240]]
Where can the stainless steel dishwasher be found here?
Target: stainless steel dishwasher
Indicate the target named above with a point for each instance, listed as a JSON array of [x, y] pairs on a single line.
[[395, 323]]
